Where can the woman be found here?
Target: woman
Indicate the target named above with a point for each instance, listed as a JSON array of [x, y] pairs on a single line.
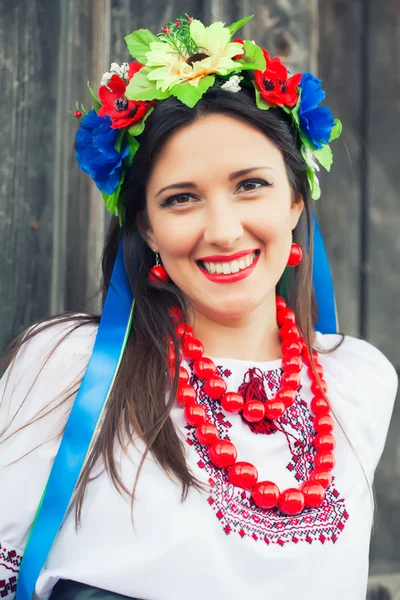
[[233, 449]]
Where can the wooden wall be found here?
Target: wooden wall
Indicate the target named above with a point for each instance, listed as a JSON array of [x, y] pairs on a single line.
[[52, 221]]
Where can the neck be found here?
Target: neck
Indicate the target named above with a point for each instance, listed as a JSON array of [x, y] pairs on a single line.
[[253, 337]]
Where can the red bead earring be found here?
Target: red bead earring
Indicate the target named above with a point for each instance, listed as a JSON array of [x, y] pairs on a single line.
[[295, 256], [158, 272]]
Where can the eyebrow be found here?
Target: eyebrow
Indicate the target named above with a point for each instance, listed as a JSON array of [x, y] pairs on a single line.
[[191, 185]]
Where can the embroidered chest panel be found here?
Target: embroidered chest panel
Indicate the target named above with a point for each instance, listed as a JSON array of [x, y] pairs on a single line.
[[10, 562], [233, 507]]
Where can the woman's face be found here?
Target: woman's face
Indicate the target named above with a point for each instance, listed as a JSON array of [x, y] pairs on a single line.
[[219, 187]]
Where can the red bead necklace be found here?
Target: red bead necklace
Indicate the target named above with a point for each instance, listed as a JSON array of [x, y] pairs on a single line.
[[222, 453]]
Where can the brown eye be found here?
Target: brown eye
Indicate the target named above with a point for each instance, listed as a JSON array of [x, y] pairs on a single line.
[[251, 185]]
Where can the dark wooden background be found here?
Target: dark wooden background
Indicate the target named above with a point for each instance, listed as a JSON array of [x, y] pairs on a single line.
[[52, 220]]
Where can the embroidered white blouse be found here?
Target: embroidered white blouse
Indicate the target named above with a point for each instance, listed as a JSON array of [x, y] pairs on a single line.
[[215, 545]]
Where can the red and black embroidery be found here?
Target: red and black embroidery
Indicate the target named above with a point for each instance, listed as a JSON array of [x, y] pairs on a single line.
[[10, 562], [234, 508]]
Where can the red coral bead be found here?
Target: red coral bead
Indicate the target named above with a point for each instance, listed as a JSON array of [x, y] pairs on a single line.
[[243, 474], [316, 389], [223, 454], [280, 302], [286, 395], [291, 380], [183, 331], [186, 395], [183, 375], [291, 348], [319, 369], [207, 433], [319, 405], [289, 332], [232, 402], [265, 494], [195, 415], [193, 349], [295, 256], [324, 442], [292, 364], [215, 387], [291, 501], [324, 423], [313, 493], [175, 314], [204, 368], [158, 272], [274, 409], [285, 316], [321, 476], [254, 411], [325, 461]]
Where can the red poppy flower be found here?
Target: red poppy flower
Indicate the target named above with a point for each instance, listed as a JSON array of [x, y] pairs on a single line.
[[134, 67], [238, 41], [123, 112], [274, 84]]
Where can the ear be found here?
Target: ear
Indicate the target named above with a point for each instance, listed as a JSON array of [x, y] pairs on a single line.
[[296, 210], [146, 231]]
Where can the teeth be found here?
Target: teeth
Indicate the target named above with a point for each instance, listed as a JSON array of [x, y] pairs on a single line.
[[230, 267]]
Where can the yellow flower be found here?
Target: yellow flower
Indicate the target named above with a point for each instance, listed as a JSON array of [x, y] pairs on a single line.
[[169, 68]]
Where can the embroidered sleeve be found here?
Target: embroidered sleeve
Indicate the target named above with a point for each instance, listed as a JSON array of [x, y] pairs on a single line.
[[10, 561]]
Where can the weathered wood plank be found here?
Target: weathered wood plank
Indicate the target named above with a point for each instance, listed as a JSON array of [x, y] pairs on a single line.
[[382, 172], [339, 208], [383, 282], [28, 64]]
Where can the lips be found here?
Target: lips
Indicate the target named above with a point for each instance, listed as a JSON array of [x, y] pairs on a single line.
[[232, 277], [224, 258]]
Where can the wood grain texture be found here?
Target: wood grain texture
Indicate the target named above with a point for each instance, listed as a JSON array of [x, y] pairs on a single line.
[[383, 257], [28, 64], [383, 182], [339, 208]]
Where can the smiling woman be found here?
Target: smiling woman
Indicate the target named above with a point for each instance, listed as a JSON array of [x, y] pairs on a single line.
[[240, 435]]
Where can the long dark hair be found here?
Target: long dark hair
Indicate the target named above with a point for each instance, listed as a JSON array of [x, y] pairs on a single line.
[[137, 403]]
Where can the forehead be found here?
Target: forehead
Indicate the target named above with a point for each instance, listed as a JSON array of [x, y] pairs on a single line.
[[215, 143]]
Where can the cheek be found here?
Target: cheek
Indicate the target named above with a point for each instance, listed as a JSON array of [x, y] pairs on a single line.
[[177, 237]]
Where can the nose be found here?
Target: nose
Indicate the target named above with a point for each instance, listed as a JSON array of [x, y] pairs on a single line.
[[223, 225]]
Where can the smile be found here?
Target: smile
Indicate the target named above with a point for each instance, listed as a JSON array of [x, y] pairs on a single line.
[[229, 272]]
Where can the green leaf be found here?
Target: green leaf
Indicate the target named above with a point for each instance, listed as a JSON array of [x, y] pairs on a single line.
[[239, 24], [141, 88], [311, 177], [336, 130], [112, 200], [189, 94], [324, 156], [260, 102], [139, 42], [253, 55], [95, 100], [138, 128], [118, 143], [133, 148]]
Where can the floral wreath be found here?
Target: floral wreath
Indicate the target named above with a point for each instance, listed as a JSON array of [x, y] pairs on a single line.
[[184, 60]]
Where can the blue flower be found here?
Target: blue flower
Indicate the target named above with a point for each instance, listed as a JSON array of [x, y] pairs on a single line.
[[315, 122], [96, 153]]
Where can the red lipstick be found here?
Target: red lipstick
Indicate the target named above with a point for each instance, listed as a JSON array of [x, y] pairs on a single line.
[[232, 277], [225, 257]]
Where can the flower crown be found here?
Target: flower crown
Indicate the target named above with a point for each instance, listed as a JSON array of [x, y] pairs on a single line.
[[184, 60]]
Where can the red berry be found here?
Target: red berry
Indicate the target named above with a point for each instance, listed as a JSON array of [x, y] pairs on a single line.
[[77, 114], [165, 30], [178, 23]]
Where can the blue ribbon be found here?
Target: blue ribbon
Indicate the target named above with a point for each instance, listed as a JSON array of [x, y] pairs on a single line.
[[323, 285], [94, 391], [87, 409]]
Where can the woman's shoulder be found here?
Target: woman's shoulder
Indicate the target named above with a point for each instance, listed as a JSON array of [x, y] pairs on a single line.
[[356, 355], [52, 356]]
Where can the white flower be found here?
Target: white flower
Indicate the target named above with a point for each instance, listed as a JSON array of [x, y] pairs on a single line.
[[115, 69], [232, 85]]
